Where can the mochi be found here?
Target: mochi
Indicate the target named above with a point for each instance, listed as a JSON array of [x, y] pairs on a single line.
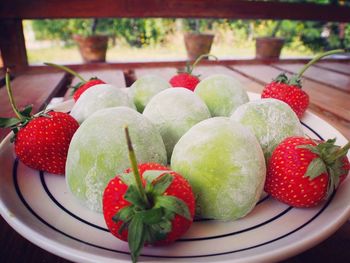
[[271, 121], [174, 111], [224, 163], [222, 94], [144, 88], [98, 151], [99, 97]]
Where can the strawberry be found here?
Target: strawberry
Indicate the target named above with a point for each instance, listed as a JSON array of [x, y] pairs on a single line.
[[302, 172], [41, 140], [148, 204], [187, 79], [290, 90], [292, 94], [83, 85]]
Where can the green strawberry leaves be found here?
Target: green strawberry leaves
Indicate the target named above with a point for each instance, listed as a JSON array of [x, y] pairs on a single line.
[[173, 204], [293, 80], [329, 161], [136, 236], [315, 168], [8, 122]]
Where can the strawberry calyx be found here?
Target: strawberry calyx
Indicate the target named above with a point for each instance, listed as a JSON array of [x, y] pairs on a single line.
[[81, 83], [149, 216], [293, 81], [329, 161], [23, 117]]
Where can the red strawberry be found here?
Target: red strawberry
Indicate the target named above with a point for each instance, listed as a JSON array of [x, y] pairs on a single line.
[[292, 94], [82, 86], [302, 172], [153, 205], [186, 79], [289, 90], [41, 141]]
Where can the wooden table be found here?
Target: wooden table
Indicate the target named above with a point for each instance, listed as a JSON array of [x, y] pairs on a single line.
[[327, 83]]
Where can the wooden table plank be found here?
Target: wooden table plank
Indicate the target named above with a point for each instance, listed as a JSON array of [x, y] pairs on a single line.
[[165, 72], [320, 75], [323, 97], [335, 66], [111, 76], [42, 88]]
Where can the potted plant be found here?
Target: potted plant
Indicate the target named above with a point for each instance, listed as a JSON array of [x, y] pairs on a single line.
[[92, 46], [269, 47], [197, 42]]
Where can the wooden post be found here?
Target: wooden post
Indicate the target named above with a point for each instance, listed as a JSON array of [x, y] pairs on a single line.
[[12, 44]]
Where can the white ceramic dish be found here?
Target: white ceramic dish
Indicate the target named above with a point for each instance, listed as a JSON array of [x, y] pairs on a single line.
[[40, 208]]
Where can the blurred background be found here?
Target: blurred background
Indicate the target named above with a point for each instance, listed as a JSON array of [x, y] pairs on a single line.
[[163, 39]]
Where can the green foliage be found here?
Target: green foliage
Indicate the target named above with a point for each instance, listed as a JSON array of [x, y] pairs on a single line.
[[139, 33], [143, 32], [197, 25]]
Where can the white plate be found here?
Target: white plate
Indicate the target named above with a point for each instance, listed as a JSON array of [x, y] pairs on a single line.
[[40, 208]]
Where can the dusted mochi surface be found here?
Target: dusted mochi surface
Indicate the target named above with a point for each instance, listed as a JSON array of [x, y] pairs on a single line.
[[98, 151], [270, 120], [222, 94], [225, 166], [144, 88], [174, 111], [99, 97]]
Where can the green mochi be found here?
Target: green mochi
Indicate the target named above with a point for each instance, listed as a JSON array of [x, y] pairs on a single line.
[[174, 111], [98, 151], [99, 97], [270, 120], [224, 163], [144, 88], [222, 94]]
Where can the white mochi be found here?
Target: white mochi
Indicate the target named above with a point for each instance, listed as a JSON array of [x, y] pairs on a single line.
[[144, 88], [174, 111], [270, 120], [99, 97], [222, 94], [224, 163], [98, 151]]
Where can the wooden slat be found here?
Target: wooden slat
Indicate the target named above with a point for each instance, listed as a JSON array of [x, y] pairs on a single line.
[[35, 89], [110, 76], [173, 8], [336, 67], [165, 72], [12, 44], [330, 78], [325, 98]]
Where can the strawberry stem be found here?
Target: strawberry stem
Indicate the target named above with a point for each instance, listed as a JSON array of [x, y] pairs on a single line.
[[10, 94], [198, 60], [317, 58], [137, 176], [64, 68]]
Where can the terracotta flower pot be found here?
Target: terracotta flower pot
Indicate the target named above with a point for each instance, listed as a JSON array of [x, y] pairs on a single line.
[[268, 47], [197, 44], [92, 48]]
